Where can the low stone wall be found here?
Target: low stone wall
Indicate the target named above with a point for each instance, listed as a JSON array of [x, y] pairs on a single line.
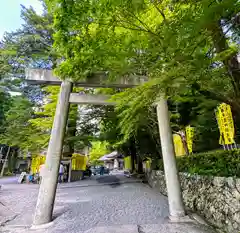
[[215, 198]]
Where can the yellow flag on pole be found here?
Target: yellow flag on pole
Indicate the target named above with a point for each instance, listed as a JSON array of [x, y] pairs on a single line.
[[189, 138], [225, 124], [178, 145]]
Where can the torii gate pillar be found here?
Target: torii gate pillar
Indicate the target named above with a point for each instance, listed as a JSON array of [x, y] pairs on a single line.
[[47, 192], [175, 201]]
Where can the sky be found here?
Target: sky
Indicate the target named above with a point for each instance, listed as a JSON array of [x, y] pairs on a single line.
[[10, 11]]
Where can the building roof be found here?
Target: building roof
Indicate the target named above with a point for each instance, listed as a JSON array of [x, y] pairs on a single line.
[[110, 156]]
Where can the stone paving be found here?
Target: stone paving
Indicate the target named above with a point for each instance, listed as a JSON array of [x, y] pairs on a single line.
[[104, 204]]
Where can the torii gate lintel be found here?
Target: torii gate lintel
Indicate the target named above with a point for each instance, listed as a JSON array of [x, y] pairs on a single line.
[[46, 77]]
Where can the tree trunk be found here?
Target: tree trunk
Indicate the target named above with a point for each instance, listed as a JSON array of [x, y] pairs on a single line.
[[133, 153], [138, 157], [231, 63], [71, 133], [5, 162], [11, 164], [139, 164]]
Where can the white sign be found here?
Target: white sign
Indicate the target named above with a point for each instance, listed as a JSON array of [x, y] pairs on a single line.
[[21, 177]]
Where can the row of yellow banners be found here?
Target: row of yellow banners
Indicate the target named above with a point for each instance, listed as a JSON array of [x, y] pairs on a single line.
[[79, 162], [128, 163], [225, 125]]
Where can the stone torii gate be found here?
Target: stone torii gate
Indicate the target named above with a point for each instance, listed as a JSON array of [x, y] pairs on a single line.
[[47, 191]]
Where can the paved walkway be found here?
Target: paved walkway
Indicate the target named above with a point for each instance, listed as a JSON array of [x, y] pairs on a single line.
[[105, 204], [9, 180]]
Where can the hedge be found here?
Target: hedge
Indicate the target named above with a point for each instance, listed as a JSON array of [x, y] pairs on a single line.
[[214, 163]]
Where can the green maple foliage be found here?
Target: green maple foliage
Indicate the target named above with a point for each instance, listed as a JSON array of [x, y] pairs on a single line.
[[18, 130], [98, 150], [179, 45], [29, 46]]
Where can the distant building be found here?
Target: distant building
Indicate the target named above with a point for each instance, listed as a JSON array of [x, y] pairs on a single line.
[[114, 160]]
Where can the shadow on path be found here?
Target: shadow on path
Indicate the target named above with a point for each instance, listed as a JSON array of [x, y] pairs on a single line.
[[112, 180]]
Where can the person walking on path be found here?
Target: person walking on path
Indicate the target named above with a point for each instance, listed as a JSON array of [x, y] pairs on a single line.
[[61, 173], [102, 170]]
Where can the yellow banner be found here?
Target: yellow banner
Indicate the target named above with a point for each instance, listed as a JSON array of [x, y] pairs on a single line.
[[37, 161], [178, 145], [225, 124], [148, 164], [127, 163], [79, 162], [189, 138]]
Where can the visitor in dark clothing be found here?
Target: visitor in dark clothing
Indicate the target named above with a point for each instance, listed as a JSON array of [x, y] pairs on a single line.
[[102, 170]]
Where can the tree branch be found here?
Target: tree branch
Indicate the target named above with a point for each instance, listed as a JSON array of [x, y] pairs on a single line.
[[211, 95], [144, 25], [160, 11]]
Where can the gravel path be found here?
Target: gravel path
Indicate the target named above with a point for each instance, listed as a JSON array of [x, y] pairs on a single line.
[[104, 204]]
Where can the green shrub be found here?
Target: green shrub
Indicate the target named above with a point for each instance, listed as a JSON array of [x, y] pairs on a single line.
[[215, 163]]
